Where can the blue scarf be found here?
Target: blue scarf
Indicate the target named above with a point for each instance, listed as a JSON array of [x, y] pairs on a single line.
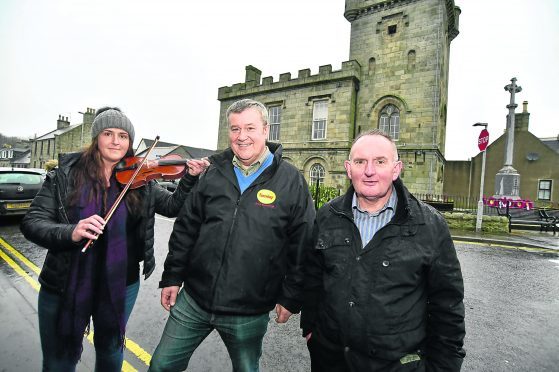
[[96, 284]]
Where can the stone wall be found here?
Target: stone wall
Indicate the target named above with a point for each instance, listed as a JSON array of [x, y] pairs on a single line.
[[467, 222]]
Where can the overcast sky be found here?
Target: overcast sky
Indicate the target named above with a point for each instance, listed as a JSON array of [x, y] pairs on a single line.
[[163, 61]]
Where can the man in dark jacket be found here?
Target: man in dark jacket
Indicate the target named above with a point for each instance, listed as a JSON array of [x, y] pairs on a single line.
[[384, 285], [237, 247]]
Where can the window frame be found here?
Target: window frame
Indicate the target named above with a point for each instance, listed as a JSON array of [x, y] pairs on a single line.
[[274, 131], [389, 121], [547, 191], [321, 173], [319, 124]]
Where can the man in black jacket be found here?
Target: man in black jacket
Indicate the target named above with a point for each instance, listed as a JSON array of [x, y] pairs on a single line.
[[384, 285], [237, 247]]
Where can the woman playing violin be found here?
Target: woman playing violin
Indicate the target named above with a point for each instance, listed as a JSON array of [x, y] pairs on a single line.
[[103, 282]]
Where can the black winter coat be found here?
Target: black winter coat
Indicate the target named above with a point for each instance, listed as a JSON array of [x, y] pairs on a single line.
[[401, 294], [243, 253], [46, 223]]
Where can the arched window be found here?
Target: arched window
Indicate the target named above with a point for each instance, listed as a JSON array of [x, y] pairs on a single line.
[[317, 172], [411, 60], [372, 65], [389, 121]]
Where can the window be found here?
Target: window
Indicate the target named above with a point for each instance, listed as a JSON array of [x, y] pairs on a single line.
[[275, 119], [411, 60], [372, 66], [391, 29], [389, 121], [317, 173], [319, 118], [544, 190]]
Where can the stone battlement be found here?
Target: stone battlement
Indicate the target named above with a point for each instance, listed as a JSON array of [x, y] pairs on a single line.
[[252, 85]]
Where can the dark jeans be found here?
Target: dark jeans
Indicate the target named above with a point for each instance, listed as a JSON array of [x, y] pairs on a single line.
[[188, 325], [106, 360]]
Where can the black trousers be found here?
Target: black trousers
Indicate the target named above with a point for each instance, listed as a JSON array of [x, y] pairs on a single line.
[[324, 359]]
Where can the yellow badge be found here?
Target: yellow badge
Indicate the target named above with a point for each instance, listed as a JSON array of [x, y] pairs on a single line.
[[266, 196], [410, 358]]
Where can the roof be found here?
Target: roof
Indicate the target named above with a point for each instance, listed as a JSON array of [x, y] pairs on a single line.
[[164, 148], [24, 158], [149, 142], [20, 149], [552, 143], [57, 132], [198, 153], [157, 152]]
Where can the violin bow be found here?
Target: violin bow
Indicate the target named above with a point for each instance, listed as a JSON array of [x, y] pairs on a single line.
[[122, 193]]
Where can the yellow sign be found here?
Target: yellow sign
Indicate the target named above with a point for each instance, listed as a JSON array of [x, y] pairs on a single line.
[[18, 205], [266, 196]]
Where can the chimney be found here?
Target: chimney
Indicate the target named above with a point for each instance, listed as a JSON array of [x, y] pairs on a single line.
[[252, 74], [62, 122], [522, 120], [88, 115]]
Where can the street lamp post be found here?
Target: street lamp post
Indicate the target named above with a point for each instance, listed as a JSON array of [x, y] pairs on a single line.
[[483, 141]]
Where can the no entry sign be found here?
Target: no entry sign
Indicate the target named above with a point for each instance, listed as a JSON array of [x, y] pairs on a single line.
[[483, 140]]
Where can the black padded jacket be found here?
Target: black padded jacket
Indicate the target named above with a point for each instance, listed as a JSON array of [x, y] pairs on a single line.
[[243, 253], [401, 294]]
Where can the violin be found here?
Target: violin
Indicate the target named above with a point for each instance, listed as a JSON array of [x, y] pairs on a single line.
[[135, 168], [169, 167]]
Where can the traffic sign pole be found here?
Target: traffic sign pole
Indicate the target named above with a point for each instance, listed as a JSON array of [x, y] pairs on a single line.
[[482, 143]]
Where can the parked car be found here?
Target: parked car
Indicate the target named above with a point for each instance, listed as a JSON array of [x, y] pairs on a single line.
[[18, 187]]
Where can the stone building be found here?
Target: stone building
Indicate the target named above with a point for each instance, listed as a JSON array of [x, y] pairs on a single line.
[[65, 138], [534, 158], [396, 79], [16, 156]]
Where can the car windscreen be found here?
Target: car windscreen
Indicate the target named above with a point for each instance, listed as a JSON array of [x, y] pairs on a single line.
[[21, 178]]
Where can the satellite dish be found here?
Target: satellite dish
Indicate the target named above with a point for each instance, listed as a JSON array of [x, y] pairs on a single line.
[[532, 156]]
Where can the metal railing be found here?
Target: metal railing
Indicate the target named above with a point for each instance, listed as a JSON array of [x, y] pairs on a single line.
[[449, 202]]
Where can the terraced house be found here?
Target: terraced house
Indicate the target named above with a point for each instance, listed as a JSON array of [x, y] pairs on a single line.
[[65, 138]]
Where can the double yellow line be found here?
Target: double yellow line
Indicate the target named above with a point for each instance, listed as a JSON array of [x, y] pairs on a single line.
[[133, 347]]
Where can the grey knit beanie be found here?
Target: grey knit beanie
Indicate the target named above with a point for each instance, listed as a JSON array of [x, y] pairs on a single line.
[[111, 117]]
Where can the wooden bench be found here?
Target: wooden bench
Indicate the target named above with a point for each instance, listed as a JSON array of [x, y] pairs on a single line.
[[529, 218]]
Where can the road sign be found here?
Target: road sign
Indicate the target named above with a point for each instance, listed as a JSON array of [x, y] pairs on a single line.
[[483, 140]]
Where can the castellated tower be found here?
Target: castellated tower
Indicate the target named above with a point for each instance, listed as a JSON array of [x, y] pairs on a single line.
[[396, 79], [403, 49]]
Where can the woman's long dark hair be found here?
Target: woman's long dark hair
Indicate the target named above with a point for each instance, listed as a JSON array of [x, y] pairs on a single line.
[[89, 170]]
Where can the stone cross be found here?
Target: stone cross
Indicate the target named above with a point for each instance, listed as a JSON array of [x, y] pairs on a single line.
[[507, 180], [512, 88]]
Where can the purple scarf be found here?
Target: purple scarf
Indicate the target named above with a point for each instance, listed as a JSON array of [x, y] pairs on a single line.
[[97, 280]]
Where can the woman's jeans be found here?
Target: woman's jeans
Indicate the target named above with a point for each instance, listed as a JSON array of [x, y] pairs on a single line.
[[188, 325], [106, 360]]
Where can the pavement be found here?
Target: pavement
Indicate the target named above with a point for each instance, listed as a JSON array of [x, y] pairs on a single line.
[[527, 239], [20, 346]]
